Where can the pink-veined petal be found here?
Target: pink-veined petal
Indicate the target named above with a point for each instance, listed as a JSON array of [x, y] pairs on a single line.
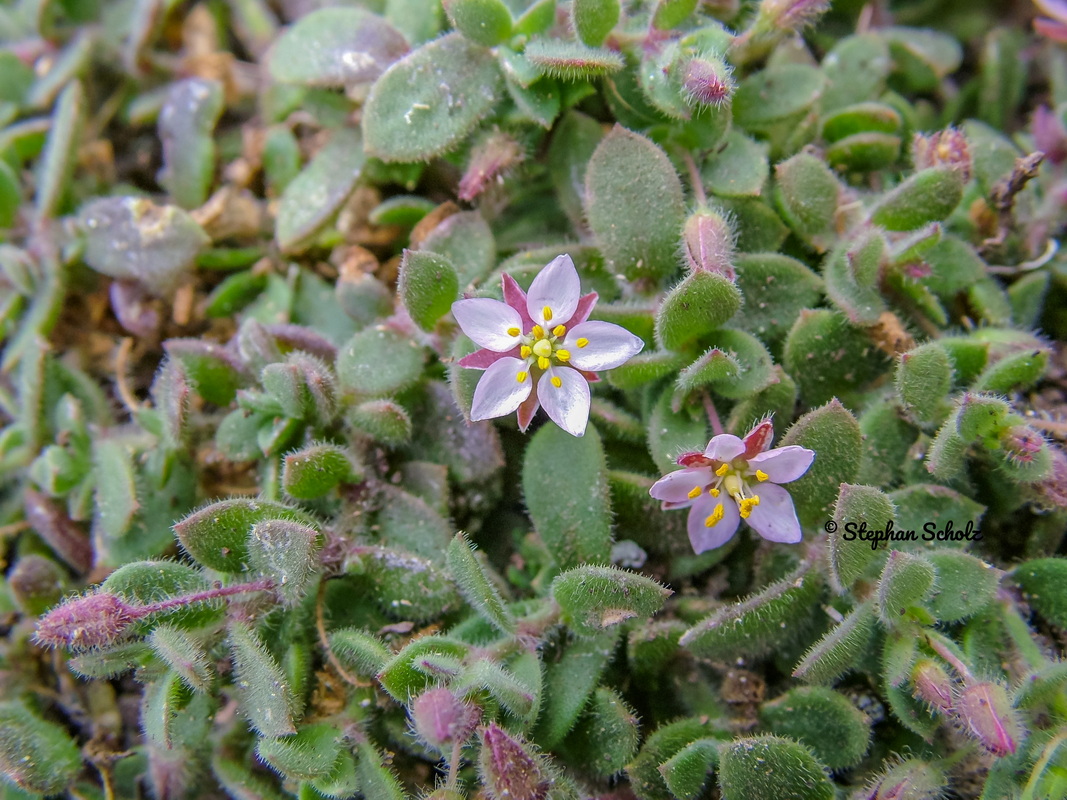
[[556, 288], [758, 439], [774, 518], [483, 359], [724, 447], [584, 309], [527, 410], [487, 322], [607, 345], [515, 297], [674, 487], [567, 405], [499, 391], [783, 464], [703, 537]]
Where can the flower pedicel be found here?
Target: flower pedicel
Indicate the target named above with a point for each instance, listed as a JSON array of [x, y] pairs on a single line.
[[539, 349], [736, 479]]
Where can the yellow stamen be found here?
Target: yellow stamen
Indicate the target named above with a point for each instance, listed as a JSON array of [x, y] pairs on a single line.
[[522, 376], [563, 355], [761, 475], [513, 331], [694, 493], [542, 348], [747, 505], [537, 332], [546, 312], [543, 362], [559, 330], [713, 492], [722, 470], [714, 517], [556, 381], [582, 342], [525, 351]]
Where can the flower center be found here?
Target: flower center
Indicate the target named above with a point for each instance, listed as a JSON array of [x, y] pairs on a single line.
[[731, 479], [542, 348]]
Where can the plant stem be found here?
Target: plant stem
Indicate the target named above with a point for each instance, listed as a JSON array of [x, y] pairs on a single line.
[[262, 584], [713, 415]]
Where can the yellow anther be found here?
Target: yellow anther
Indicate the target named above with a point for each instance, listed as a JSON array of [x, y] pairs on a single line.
[[543, 362], [563, 355], [513, 331], [722, 470], [747, 505], [694, 493], [556, 381], [542, 348], [761, 475], [714, 517], [582, 342], [559, 330], [546, 312], [537, 332], [525, 351], [713, 492], [522, 376]]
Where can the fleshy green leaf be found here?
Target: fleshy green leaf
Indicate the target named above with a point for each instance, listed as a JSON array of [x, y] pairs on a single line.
[[595, 598], [430, 100]]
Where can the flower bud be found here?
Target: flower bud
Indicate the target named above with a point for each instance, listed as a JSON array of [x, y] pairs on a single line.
[[96, 620], [932, 684], [1021, 443], [791, 15], [708, 82], [909, 780], [509, 770], [1050, 134], [489, 160], [947, 148], [709, 244], [988, 715], [1051, 492], [441, 718]]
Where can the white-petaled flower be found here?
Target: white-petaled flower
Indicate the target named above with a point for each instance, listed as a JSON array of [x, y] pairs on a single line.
[[736, 479], [540, 349]]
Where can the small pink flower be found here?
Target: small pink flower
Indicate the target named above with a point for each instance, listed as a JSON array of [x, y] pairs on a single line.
[[736, 479], [541, 338]]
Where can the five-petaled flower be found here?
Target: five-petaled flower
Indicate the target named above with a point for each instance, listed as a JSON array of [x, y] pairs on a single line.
[[542, 337], [736, 479]]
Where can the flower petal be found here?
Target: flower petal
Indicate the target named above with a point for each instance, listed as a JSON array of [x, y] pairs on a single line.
[[758, 439], [527, 409], [774, 518], [499, 392], [567, 405], [724, 447], [674, 487], [783, 464], [584, 309], [556, 288], [484, 358], [1057, 9], [703, 537], [606, 345], [515, 297], [487, 322]]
